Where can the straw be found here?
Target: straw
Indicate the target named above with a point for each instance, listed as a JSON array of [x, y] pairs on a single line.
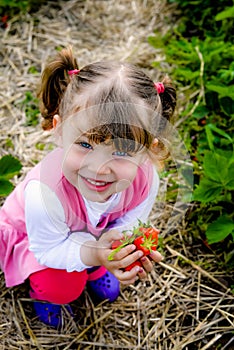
[[185, 303]]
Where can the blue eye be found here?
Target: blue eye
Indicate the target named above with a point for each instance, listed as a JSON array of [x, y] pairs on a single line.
[[121, 154], [85, 145]]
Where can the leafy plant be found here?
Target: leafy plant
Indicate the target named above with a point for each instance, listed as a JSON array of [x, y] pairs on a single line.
[[200, 53], [30, 105], [205, 17], [214, 217], [215, 186], [15, 4], [9, 8], [9, 167], [13, 7]]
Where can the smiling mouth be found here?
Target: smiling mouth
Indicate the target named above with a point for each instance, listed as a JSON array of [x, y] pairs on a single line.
[[96, 185]]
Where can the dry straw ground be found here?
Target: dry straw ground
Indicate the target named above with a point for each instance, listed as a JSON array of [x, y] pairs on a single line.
[[185, 303]]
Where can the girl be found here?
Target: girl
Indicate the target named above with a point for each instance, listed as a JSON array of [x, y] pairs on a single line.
[[57, 226]]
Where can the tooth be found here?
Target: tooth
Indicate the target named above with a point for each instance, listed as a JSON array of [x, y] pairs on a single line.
[[96, 183]]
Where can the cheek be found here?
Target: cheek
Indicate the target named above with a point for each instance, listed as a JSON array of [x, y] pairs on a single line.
[[125, 175], [71, 161], [126, 170]]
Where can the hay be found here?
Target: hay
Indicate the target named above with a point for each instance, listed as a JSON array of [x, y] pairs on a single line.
[[185, 303]]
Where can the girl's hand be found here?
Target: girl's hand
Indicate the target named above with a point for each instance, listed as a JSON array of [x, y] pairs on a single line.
[[97, 253], [126, 256], [147, 263]]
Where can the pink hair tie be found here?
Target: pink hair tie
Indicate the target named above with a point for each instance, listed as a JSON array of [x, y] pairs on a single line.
[[159, 87], [73, 71]]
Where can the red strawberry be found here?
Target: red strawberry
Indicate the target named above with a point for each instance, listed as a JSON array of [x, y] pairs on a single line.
[[145, 238], [135, 263], [3, 21], [148, 241], [117, 244]]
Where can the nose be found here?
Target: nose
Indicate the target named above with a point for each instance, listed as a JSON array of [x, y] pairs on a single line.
[[98, 162]]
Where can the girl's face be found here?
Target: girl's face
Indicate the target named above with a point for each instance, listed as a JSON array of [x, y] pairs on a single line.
[[98, 170]]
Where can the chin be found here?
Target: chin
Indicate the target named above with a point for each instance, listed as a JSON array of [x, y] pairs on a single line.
[[95, 197]]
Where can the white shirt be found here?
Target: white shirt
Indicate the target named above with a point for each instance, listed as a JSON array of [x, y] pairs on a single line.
[[49, 236]]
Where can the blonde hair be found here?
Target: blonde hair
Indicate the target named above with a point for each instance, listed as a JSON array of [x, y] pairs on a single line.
[[127, 104]]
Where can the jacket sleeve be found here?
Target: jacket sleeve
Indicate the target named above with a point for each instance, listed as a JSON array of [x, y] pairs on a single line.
[[49, 236]]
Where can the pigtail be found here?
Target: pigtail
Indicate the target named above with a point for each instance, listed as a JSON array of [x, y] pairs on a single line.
[[167, 94], [54, 82], [168, 99]]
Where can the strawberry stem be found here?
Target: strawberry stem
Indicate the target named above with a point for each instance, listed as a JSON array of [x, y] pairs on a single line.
[[126, 240], [130, 239]]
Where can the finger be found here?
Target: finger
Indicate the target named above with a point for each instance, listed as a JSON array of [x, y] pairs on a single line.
[[113, 235], [132, 281], [147, 264], [128, 260], [142, 274], [109, 237], [128, 277], [125, 251], [156, 256]]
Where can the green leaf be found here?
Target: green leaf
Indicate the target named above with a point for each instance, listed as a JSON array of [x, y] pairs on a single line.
[[9, 166], [230, 184], [219, 131], [5, 187], [210, 137], [227, 105], [155, 41], [201, 111], [219, 167], [222, 90], [218, 230], [207, 191], [228, 13], [187, 73]]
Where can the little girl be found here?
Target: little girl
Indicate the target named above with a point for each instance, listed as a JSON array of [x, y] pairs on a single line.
[[58, 225]]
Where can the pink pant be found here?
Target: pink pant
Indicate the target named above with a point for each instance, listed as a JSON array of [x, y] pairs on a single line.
[[60, 286]]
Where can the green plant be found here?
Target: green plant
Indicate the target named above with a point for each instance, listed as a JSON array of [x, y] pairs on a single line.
[[30, 105], [15, 4], [200, 52], [216, 185], [205, 17], [9, 167], [13, 7]]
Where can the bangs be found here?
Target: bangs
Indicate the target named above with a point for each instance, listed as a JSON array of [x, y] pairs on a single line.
[[120, 123], [124, 137]]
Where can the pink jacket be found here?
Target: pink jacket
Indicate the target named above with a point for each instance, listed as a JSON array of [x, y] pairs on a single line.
[[16, 260]]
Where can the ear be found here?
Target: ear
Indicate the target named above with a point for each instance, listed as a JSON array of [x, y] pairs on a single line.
[[57, 128], [56, 121], [154, 144]]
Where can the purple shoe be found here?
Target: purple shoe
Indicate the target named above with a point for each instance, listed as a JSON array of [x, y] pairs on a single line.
[[50, 314], [105, 287]]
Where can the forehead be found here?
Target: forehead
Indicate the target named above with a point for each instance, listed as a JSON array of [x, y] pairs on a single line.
[[110, 121], [76, 125], [90, 117]]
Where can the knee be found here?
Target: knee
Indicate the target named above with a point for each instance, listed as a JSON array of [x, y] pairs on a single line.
[[57, 286]]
